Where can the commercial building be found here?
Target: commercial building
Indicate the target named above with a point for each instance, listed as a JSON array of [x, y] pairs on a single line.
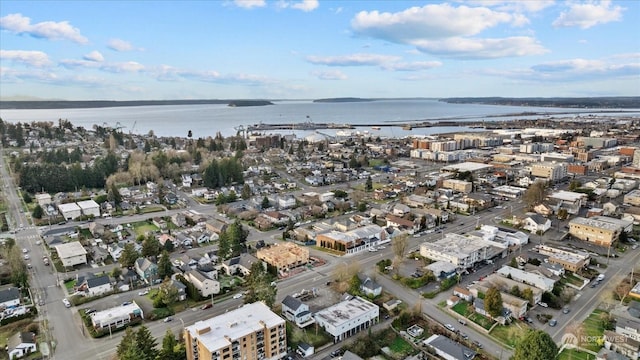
[[539, 281], [89, 208], [284, 256], [71, 254], [472, 167], [252, 332], [568, 200], [462, 251], [116, 317], [70, 211], [348, 317], [600, 230], [632, 198], [551, 171], [351, 242], [568, 259], [458, 185]]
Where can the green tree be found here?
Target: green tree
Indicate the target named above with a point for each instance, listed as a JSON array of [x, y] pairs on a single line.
[[527, 294], [167, 293], [536, 345], [26, 197], [37, 212], [265, 203], [259, 285], [493, 302], [171, 349], [535, 193], [164, 265], [129, 255], [369, 184], [246, 192], [127, 348], [116, 272], [362, 207], [151, 246], [146, 344]]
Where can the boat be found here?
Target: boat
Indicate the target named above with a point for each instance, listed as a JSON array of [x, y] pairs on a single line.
[[375, 127]]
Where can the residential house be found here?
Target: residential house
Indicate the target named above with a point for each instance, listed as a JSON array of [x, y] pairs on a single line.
[[296, 311], [606, 354], [182, 289], [9, 297], [216, 226], [97, 285], [536, 224], [628, 327], [164, 238], [146, 270], [115, 250], [206, 287], [179, 219], [448, 349], [21, 344], [622, 344], [239, 264], [462, 293], [370, 288], [402, 224]]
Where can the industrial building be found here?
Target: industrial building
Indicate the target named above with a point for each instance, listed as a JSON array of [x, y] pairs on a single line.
[[348, 317]]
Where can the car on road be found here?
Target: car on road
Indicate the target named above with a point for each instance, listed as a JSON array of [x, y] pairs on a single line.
[[565, 310], [27, 257], [206, 306], [143, 293], [167, 319], [66, 303], [477, 344], [126, 303], [237, 296], [38, 242], [462, 322], [450, 327], [24, 251], [337, 352], [372, 249], [553, 322]]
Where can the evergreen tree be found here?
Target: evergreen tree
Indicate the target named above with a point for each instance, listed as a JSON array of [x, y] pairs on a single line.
[[536, 345], [265, 203], [171, 349], [369, 184], [37, 212], [128, 349], [164, 265], [493, 302], [146, 344], [246, 192], [151, 246], [129, 255], [259, 285]]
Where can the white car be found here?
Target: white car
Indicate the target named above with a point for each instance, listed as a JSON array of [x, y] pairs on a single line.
[[66, 303], [450, 327], [143, 293], [237, 296], [25, 250], [372, 249], [27, 257]]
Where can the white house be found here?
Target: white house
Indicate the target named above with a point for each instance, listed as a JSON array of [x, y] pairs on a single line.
[[99, 285], [370, 287], [21, 344], [536, 224], [89, 208], [9, 298], [296, 311], [348, 317], [43, 199], [70, 211], [116, 317], [71, 254], [206, 287]]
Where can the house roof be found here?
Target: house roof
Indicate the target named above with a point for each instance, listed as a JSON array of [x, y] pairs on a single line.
[[291, 302], [368, 283], [450, 347], [9, 294], [143, 264], [634, 309], [98, 281], [21, 338], [539, 219]]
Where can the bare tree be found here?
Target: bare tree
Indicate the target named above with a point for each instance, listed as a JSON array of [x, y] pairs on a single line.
[[399, 245], [343, 273]]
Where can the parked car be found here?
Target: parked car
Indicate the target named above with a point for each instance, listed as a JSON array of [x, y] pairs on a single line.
[[143, 293], [477, 344], [450, 327], [544, 305], [237, 296], [462, 322], [126, 303], [167, 319], [66, 303], [206, 306], [565, 310], [553, 322]]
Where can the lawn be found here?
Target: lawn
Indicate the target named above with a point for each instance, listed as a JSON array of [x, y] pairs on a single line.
[[462, 308], [574, 280], [593, 327], [310, 336], [572, 354], [69, 285], [481, 320], [141, 228], [6, 331], [400, 346], [510, 334], [151, 209]]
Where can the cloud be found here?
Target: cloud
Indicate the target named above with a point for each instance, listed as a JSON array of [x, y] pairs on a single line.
[[448, 31], [249, 4], [586, 15], [329, 75], [412, 66], [434, 21], [514, 5], [472, 48], [18, 24], [352, 60], [121, 45], [94, 56], [26, 57], [170, 73], [123, 67], [304, 5], [575, 70], [73, 64]]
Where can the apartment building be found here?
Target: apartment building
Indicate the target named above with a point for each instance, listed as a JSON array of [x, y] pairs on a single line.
[[252, 332], [461, 251], [632, 198], [458, 185], [600, 230], [568, 259], [348, 317], [549, 170], [284, 256]]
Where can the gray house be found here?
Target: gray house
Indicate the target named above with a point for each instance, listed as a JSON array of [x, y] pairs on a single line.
[[296, 311]]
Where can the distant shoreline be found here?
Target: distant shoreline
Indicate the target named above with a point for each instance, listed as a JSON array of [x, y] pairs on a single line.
[[620, 102]]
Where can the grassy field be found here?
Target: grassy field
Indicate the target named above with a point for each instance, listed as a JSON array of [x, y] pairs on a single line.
[[593, 327], [481, 320], [571, 354], [310, 336], [510, 334], [141, 228], [400, 346], [9, 330], [462, 308]]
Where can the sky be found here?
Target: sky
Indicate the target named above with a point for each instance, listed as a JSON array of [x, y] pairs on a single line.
[[292, 49]]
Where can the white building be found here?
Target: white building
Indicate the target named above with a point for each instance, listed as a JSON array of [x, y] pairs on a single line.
[[461, 251], [539, 281], [72, 253], [43, 199], [348, 317], [70, 211], [448, 349], [206, 287], [116, 317], [89, 208]]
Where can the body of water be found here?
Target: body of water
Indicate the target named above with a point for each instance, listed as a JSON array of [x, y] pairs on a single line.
[[207, 120]]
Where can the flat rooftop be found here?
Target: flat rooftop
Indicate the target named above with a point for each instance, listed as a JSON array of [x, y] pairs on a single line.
[[467, 166], [346, 311], [115, 313], [219, 331], [601, 222], [70, 249]]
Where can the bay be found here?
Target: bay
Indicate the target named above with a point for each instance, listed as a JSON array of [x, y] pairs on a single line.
[[207, 120]]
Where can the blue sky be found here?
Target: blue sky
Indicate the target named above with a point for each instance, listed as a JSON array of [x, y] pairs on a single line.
[[286, 49]]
